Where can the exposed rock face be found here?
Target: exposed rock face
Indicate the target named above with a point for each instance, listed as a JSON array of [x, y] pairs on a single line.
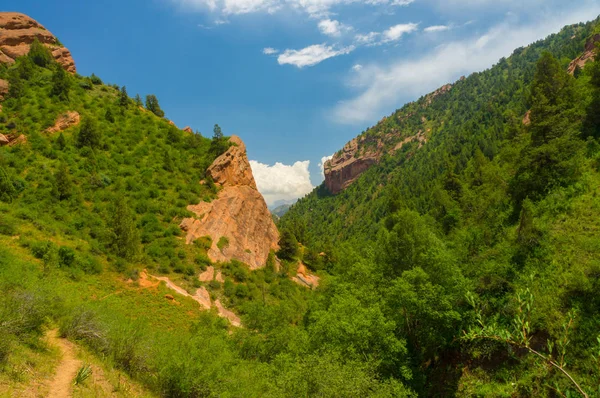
[[18, 31], [188, 129], [588, 54], [348, 164], [239, 213], [3, 140], [64, 121], [362, 152]]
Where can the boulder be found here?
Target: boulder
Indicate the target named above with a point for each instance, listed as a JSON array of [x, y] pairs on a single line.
[[3, 140], [188, 129]]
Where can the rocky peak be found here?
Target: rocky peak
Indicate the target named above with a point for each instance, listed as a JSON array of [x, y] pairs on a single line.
[[233, 168], [18, 31], [238, 220]]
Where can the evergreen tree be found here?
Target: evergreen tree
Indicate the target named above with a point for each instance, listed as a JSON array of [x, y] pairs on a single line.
[[16, 85], [552, 101], [89, 135], [61, 142], [217, 133], [218, 144], [40, 54], [7, 189], [123, 97], [63, 186], [60, 84], [125, 240], [288, 246], [153, 106], [138, 100]]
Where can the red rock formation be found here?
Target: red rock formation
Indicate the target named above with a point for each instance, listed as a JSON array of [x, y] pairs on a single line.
[[239, 213], [588, 54], [188, 129], [361, 153], [18, 31], [64, 121], [348, 164]]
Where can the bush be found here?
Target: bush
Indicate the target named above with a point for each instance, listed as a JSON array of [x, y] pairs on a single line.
[[223, 243]]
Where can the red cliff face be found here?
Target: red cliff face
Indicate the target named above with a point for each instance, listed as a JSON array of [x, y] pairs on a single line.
[[362, 152], [18, 31], [588, 54], [238, 216]]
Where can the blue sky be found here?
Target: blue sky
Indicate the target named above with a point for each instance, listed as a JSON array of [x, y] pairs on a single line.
[[296, 79]]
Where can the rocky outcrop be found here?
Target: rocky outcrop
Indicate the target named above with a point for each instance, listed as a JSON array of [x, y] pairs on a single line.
[[18, 31], [588, 54], [305, 278], [357, 156], [188, 129], [238, 220], [64, 121]]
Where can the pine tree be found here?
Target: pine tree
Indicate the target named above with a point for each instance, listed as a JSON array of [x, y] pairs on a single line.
[[125, 240], [61, 142], [552, 101], [592, 120], [288, 246], [123, 97], [89, 135], [153, 106], [40, 54], [60, 84], [138, 100], [63, 186]]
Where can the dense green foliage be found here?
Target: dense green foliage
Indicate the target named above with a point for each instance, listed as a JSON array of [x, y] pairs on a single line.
[[488, 207], [423, 259]]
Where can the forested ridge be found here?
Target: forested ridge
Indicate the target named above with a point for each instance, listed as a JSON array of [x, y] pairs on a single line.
[[466, 267], [481, 246]]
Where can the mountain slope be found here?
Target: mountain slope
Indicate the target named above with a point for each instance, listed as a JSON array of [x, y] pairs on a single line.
[[478, 243]]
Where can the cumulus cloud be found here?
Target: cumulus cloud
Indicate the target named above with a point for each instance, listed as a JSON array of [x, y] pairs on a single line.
[[281, 181], [384, 86], [269, 51], [397, 31], [324, 160], [436, 28], [311, 55], [333, 28]]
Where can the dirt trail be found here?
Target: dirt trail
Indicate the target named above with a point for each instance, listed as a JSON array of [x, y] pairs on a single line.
[[61, 386]]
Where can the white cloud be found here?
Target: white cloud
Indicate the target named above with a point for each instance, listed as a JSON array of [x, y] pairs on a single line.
[[357, 67], [385, 87], [436, 28], [221, 21], [281, 181], [269, 51], [311, 55], [314, 8], [333, 28], [324, 160], [367, 39], [397, 31]]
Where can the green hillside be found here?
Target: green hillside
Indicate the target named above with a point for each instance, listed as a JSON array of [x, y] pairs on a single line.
[[468, 267], [488, 212]]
